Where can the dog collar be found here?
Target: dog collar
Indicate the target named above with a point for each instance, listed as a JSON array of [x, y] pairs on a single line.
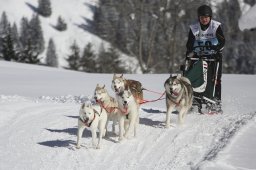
[[176, 103], [86, 121]]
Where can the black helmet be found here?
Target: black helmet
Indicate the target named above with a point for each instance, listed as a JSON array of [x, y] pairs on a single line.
[[204, 10]]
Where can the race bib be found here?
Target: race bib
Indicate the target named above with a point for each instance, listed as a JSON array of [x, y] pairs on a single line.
[[205, 46]]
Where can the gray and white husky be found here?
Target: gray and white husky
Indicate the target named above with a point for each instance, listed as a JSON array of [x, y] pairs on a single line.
[[93, 117], [179, 95]]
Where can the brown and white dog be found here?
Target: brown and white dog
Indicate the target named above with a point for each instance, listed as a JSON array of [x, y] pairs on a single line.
[[127, 90], [179, 95], [119, 84]]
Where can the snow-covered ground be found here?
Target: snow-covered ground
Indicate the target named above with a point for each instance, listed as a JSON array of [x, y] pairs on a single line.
[[39, 110], [38, 123]]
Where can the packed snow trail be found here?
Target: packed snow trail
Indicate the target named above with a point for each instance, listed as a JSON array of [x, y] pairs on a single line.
[[41, 134]]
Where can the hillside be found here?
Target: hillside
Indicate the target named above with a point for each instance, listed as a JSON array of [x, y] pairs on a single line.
[[76, 14]]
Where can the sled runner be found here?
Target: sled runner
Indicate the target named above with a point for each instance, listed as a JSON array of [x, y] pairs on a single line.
[[201, 68]]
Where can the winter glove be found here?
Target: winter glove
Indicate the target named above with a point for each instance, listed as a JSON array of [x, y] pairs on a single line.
[[189, 54], [218, 57], [215, 48]]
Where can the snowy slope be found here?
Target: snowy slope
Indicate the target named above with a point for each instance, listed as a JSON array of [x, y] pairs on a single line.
[[73, 13], [76, 13], [38, 124]]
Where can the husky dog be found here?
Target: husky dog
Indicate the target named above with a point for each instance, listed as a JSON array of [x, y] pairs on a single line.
[[95, 117], [119, 84], [108, 103], [129, 115], [178, 95]]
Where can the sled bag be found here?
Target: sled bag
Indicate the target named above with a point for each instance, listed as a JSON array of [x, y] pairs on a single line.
[[197, 74]]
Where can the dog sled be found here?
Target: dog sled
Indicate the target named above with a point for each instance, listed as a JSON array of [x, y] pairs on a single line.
[[201, 68]]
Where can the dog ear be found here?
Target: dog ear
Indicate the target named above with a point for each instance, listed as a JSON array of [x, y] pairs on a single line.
[[173, 76], [129, 92], [121, 76], [90, 105], [83, 105], [114, 76], [178, 76], [103, 86], [97, 85]]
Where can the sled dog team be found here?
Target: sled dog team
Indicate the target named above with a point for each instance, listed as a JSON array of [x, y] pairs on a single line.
[[124, 108]]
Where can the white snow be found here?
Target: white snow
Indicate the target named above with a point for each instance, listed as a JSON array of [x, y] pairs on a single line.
[[39, 110], [248, 19], [38, 124]]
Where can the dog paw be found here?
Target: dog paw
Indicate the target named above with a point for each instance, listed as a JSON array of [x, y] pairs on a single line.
[[126, 136], [167, 126], [97, 147], [78, 146]]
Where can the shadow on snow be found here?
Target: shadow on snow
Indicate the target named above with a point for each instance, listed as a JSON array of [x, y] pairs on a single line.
[[58, 143]]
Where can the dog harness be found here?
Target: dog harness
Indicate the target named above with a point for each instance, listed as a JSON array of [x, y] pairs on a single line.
[[174, 101], [111, 109], [108, 109], [176, 95]]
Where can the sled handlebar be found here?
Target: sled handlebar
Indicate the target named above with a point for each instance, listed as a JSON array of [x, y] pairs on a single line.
[[209, 47], [205, 50], [203, 58]]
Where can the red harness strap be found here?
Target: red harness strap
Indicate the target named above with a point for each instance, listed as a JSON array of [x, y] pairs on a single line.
[[147, 101], [111, 109], [176, 103]]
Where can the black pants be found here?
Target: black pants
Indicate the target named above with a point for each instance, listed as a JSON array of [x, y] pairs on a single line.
[[218, 85]]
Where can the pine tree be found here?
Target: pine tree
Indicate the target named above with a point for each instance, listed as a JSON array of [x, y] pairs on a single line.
[[87, 62], [44, 8], [51, 56], [74, 58], [15, 37], [36, 34], [116, 63], [8, 51], [4, 23], [28, 55], [61, 24], [25, 35], [100, 59], [31, 39], [108, 61]]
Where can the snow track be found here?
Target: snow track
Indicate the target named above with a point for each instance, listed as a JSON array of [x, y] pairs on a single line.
[[44, 130]]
